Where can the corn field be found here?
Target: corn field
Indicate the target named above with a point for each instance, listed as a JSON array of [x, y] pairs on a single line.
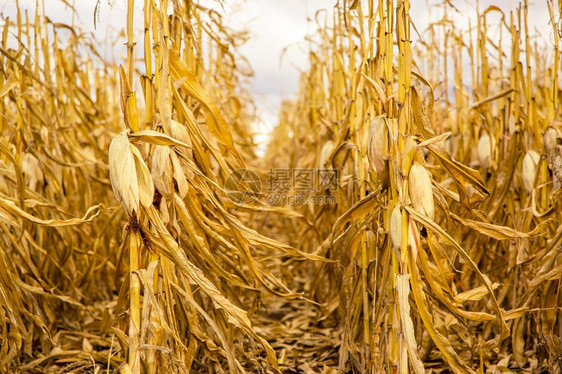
[[132, 241]]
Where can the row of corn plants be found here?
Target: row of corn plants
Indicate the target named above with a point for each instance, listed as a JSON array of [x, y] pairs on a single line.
[[446, 232], [120, 248]]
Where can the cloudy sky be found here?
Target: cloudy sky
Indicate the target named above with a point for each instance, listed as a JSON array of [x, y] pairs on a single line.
[[276, 50]]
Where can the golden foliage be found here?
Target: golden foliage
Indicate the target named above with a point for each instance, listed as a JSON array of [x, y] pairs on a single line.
[[441, 251]]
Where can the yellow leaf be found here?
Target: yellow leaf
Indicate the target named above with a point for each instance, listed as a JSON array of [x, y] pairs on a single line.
[[464, 177], [474, 294], [155, 137], [218, 127], [13, 209], [496, 231]]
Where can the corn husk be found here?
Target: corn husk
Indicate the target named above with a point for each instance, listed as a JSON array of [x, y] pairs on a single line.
[[485, 151], [421, 191], [529, 169]]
